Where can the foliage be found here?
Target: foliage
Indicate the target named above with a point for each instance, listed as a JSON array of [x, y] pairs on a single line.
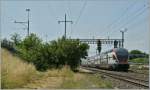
[[135, 52], [16, 38], [30, 47], [19, 74], [45, 58], [69, 52], [54, 54], [138, 54], [85, 81]]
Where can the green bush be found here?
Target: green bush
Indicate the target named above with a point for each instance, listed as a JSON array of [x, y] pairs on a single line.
[[30, 47], [54, 54], [69, 52]]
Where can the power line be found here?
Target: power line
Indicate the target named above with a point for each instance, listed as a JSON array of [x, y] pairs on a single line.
[[70, 15], [123, 14], [69, 10], [137, 24], [81, 11], [133, 13], [130, 20], [137, 15]]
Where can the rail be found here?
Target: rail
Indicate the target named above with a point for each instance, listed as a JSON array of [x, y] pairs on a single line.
[[135, 81]]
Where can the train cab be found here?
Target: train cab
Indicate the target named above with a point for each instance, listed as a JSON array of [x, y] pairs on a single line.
[[120, 55]]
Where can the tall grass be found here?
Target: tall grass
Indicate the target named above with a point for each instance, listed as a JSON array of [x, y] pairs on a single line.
[[85, 81], [15, 73], [18, 74], [51, 79], [63, 72]]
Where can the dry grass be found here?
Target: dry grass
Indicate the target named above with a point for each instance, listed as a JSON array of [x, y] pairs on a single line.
[[51, 79], [15, 72], [64, 72], [66, 79], [18, 74], [85, 81]]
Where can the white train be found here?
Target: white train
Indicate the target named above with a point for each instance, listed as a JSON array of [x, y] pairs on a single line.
[[114, 59]]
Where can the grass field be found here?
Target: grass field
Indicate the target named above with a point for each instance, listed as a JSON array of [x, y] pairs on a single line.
[[15, 73], [140, 60], [18, 74]]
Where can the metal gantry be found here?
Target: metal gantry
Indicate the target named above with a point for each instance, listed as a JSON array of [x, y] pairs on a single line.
[[103, 41], [96, 58]]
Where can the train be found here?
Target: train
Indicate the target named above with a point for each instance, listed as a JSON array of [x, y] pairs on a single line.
[[115, 59]]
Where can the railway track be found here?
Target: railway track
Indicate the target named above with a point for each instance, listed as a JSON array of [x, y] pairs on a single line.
[[135, 81], [134, 71]]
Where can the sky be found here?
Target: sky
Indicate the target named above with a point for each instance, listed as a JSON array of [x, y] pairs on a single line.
[[91, 19]]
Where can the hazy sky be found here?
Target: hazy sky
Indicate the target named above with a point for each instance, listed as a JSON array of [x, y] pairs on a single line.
[[91, 19]]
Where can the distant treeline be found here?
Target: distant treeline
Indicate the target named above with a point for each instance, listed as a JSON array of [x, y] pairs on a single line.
[[47, 55], [138, 54]]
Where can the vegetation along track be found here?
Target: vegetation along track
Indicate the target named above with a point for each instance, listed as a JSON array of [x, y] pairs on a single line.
[[122, 76]]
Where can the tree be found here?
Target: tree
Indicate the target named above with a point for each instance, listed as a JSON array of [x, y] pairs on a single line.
[[135, 52], [138, 54], [69, 52], [16, 38], [45, 58], [29, 47], [54, 54]]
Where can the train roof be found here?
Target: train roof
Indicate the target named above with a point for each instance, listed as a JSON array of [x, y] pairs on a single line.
[[121, 51], [117, 51]]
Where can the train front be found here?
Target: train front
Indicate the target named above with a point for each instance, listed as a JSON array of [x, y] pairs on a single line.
[[121, 56]]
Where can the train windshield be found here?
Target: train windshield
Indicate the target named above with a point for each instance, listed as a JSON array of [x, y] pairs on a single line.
[[122, 54]]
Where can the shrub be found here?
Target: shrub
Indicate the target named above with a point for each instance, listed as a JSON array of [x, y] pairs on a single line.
[[54, 54]]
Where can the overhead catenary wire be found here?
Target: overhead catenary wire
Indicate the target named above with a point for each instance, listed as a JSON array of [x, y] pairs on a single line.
[[70, 15], [139, 22], [131, 26], [123, 14], [81, 11], [69, 9], [136, 14], [120, 17], [132, 19], [80, 14]]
